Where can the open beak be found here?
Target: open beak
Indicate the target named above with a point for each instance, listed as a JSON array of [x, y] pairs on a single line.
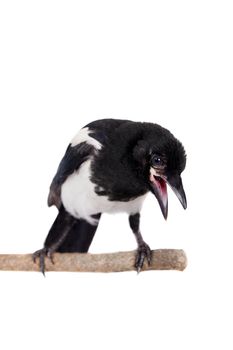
[[158, 186]]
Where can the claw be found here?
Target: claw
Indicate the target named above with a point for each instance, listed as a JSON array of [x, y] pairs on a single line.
[[50, 256], [143, 253], [41, 254]]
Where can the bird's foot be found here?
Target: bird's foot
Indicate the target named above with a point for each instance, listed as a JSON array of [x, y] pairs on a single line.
[[41, 254], [143, 252]]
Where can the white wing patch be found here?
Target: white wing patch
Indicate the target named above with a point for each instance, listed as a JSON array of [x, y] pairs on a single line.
[[83, 136]]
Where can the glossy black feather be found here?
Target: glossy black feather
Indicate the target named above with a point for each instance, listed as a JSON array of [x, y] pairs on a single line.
[[79, 237], [79, 234]]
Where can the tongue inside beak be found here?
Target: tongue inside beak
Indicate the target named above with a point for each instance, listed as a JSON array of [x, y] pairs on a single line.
[[159, 188]]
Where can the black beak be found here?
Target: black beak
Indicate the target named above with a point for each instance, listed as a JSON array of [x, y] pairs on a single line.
[[176, 185], [159, 189]]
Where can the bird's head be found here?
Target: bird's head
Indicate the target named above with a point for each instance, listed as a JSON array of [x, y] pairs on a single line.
[[163, 159]]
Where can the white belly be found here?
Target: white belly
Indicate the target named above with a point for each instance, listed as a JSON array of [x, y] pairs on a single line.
[[80, 200]]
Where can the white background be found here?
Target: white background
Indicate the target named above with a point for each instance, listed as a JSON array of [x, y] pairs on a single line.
[[66, 63]]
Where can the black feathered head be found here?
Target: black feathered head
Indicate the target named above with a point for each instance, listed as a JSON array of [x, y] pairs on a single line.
[[163, 159]]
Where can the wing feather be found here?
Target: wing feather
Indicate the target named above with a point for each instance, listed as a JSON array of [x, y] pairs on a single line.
[[72, 160]]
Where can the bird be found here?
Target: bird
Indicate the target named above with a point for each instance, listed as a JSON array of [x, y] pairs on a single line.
[[110, 166]]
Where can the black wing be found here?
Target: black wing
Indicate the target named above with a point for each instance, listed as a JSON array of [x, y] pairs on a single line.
[[73, 158]]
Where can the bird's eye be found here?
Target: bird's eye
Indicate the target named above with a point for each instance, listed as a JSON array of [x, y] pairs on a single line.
[[157, 161]]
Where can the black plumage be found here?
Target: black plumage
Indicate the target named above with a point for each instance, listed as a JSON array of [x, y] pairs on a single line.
[[110, 166]]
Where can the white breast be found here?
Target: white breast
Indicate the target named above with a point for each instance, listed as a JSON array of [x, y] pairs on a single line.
[[80, 200]]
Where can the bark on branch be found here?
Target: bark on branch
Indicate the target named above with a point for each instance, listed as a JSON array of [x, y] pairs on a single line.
[[162, 259]]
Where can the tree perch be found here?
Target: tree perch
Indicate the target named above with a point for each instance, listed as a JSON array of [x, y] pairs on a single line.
[[162, 259]]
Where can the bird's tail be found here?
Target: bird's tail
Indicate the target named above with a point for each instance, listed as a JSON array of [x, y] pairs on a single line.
[[79, 237]]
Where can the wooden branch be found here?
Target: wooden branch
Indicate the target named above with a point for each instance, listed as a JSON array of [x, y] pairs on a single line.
[[162, 259]]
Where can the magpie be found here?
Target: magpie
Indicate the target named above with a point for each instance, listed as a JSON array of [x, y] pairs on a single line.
[[110, 166]]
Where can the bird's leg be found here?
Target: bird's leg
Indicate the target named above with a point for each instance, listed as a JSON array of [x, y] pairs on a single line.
[[56, 236], [144, 250]]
